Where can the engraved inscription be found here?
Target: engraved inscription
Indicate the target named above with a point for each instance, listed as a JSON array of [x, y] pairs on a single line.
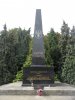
[[38, 77]]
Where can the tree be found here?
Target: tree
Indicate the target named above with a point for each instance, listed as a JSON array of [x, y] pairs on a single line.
[[14, 47], [68, 69], [65, 29], [53, 54], [73, 31]]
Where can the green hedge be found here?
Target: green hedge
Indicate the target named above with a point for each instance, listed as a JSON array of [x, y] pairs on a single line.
[[27, 63]]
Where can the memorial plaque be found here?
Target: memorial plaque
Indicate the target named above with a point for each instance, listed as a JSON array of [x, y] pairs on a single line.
[[38, 72]]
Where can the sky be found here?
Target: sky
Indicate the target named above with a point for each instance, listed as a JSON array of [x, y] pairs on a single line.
[[21, 13]]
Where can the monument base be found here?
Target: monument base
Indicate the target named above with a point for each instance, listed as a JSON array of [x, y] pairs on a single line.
[[38, 75]]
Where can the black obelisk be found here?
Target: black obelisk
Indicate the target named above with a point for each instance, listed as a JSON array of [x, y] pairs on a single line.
[[38, 56], [38, 72]]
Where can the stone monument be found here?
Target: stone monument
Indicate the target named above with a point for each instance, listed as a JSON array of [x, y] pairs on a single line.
[[38, 57], [38, 72]]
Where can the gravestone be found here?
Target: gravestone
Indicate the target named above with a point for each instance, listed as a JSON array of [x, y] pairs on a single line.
[[38, 72]]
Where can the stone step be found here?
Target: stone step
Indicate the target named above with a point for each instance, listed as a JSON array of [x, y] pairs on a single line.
[[60, 92], [59, 89], [64, 92], [51, 92]]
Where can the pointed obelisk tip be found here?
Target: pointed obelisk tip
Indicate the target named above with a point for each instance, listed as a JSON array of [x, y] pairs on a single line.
[[38, 10]]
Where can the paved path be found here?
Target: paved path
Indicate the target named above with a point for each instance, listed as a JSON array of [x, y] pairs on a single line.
[[37, 97]]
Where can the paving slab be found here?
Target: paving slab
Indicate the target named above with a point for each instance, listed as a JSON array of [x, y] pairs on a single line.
[[37, 97]]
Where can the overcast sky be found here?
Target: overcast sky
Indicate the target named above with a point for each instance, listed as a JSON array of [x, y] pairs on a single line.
[[21, 13]]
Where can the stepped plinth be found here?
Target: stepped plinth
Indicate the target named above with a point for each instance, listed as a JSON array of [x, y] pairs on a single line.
[[56, 89]]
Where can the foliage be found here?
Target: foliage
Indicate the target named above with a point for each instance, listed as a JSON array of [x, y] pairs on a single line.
[[68, 69], [48, 59], [14, 46], [67, 46], [27, 63], [65, 29], [52, 50], [60, 51], [56, 77], [19, 76]]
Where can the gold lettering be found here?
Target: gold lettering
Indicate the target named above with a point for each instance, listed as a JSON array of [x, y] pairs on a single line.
[[38, 78]]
